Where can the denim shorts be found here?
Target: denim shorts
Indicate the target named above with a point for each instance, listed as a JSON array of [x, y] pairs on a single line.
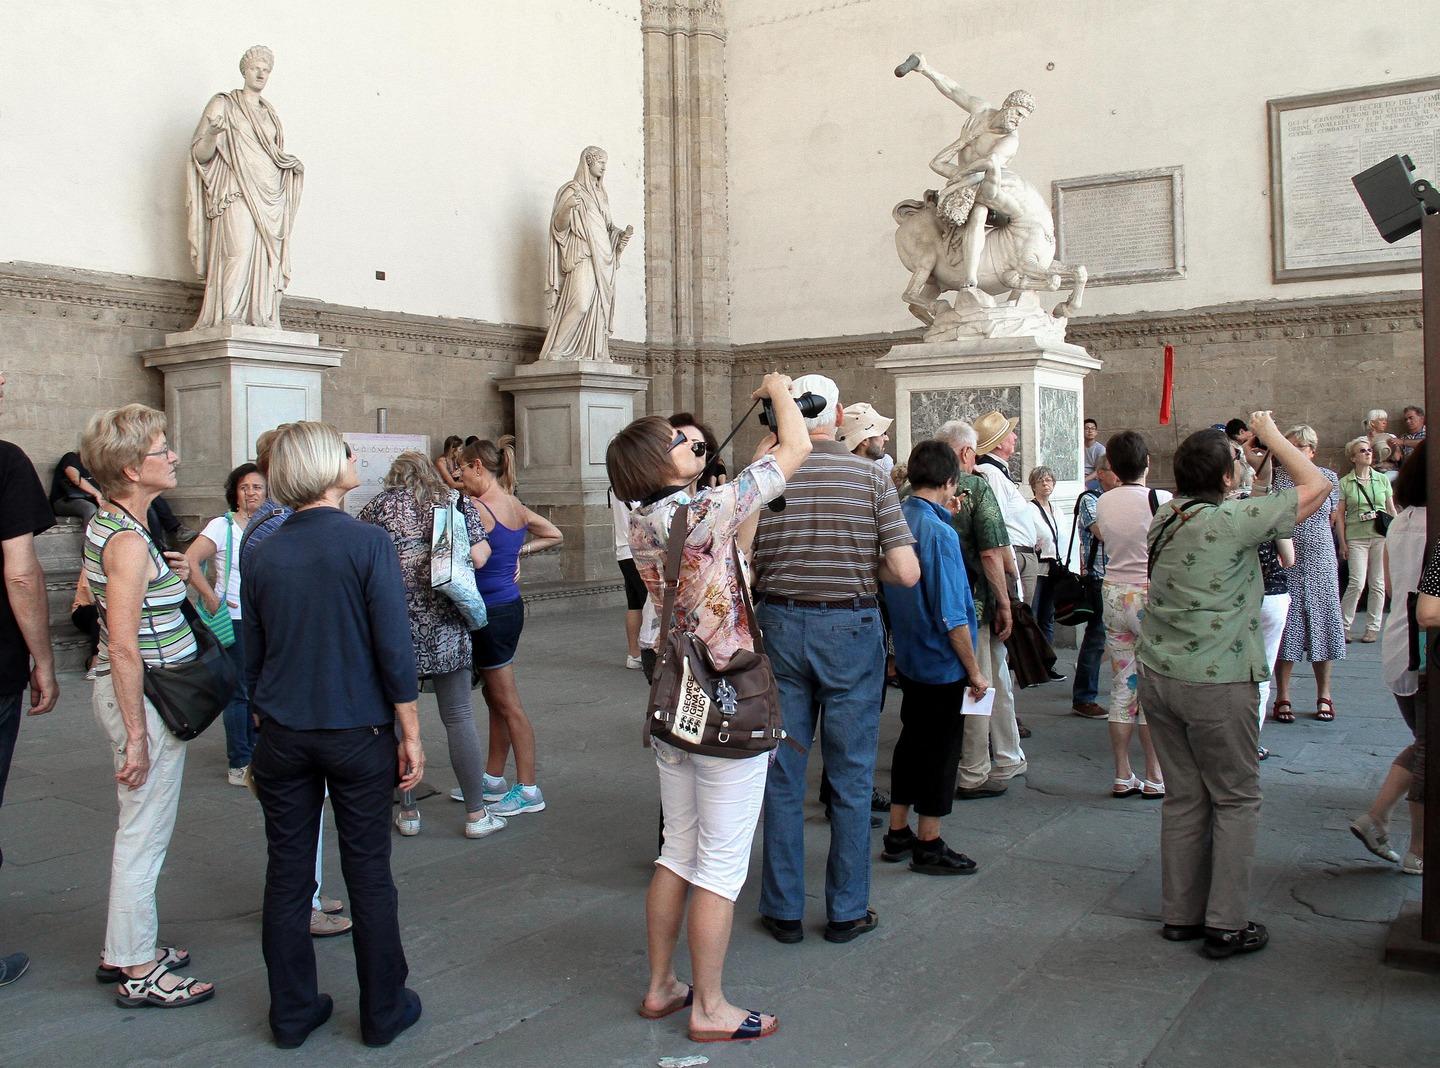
[[494, 644]]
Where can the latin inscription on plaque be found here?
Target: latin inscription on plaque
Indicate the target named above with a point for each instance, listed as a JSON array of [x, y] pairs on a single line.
[[1317, 143], [1122, 227]]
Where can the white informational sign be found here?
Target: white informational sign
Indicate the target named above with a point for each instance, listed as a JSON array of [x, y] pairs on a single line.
[[374, 453]]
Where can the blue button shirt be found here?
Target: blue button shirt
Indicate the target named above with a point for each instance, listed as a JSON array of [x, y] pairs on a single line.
[[922, 616]]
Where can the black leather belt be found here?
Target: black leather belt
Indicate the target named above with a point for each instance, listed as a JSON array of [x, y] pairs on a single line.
[[791, 602]]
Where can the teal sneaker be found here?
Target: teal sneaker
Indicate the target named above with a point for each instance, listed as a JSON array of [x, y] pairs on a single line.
[[519, 799]]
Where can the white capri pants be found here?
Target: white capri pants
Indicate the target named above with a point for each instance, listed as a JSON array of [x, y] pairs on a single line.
[[1274, 610], [711, 805]]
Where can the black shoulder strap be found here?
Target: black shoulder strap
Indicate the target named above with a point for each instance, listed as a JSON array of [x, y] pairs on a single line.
[[1154, 502], [1180, 515]]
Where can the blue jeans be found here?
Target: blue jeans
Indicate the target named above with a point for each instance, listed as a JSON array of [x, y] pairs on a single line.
[[1087, 665], [239, 727], [9, 731], [832, 658]]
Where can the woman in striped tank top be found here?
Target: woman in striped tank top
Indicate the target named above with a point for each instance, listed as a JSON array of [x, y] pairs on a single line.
[[139, 591]]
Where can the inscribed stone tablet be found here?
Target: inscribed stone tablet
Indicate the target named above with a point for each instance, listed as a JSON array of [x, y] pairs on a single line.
[[1122, 227], [1317, 143]]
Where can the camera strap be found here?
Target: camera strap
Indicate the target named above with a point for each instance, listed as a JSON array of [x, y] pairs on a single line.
[[708, 469]]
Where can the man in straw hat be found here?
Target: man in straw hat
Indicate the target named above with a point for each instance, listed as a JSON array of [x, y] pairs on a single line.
[[817, 567]]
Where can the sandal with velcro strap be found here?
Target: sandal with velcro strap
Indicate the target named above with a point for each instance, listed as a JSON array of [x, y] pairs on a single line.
[[146, 990], [170, 957]]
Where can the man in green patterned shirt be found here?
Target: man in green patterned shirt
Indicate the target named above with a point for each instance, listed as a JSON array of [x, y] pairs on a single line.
[[1201, 656], [984, 542]]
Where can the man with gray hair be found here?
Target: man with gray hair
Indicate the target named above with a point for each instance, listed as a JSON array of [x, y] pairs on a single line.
[[985, 542], [817, 565]]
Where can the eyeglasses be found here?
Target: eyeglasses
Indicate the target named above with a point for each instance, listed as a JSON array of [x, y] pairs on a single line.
[[1363, 448], [165, 451], [696, 447]]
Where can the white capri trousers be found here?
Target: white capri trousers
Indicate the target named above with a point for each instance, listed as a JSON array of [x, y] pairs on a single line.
[[1274, 610], [147, 818], [711, 805]]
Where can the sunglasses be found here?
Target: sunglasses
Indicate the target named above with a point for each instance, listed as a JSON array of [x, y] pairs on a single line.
[[348, 454], [696, 447]]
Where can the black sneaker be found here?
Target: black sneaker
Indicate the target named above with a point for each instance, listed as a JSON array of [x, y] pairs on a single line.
[[936, 858], [1220, 943], [787, 931], [897, 845]]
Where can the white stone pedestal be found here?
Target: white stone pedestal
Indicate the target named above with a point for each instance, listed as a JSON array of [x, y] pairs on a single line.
[[226, 385], [566, 412], [1040, 382]]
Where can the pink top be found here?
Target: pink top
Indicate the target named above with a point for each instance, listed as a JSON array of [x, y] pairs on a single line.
[[1123, 515], [707, 603]]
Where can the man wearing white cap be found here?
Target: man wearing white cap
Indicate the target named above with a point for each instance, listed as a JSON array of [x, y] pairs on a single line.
[[817, 567], [865, 432]]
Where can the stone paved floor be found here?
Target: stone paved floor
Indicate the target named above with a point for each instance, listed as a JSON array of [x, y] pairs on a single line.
[[528, 948]]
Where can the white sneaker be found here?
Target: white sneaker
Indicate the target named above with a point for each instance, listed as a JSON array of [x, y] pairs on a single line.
[[1412, 865], [484, 827], [520, 799], [457, 794], [236, 776], [495, 788], [409, 826], [633, 663]]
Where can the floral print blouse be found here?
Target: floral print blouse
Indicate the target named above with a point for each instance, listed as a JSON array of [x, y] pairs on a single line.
[[707, 602], [437, 629]]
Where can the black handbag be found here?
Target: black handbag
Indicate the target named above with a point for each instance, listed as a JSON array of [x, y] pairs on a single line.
[[1076, 597], [189, 697]]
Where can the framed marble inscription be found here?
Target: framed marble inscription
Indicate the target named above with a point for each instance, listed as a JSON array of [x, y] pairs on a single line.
[[1318, 142], [1126, 227], [1060, 432], [929, 408]]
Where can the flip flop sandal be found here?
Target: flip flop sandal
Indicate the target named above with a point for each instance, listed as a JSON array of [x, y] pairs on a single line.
[[1127, 787], [683, 1001], [1152, 791], [169, 958], [146, 990], [1324, 710], [752, 1028], [1283, 713]]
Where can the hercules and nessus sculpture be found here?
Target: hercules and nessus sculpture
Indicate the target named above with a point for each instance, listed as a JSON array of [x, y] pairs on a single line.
[[987, 233]]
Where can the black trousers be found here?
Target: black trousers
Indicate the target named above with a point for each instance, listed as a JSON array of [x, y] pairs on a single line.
[[927, 753], [292, 769]]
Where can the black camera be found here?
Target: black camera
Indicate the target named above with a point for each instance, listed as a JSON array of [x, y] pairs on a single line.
[[810, 405]]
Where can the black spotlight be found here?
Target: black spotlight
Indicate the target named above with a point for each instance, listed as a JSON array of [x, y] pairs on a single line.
[[1388, 193]]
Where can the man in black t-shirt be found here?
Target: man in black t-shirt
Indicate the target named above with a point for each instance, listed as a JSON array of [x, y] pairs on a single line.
[[24, 619]]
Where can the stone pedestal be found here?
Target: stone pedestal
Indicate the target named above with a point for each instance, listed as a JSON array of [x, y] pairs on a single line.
[[1041, 382], [566, 412], [226, 385]]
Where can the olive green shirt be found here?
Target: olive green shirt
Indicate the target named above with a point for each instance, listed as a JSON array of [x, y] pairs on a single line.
[[981, 526], [1202, 617]]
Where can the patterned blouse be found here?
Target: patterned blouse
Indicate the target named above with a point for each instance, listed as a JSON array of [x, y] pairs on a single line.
[[165, 636], [437, 629], [707, 602]]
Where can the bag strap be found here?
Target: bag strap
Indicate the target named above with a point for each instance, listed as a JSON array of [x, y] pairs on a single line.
[[1154, 499], [1366, 493], [1183, 516], [675, 547], [1074, 530]]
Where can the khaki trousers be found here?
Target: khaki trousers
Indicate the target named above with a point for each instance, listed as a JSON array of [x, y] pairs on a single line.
[[1206, 735], [997, 730]]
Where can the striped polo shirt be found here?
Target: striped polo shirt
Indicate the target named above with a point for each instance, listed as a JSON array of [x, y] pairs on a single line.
[[165, 636], [841, 515]]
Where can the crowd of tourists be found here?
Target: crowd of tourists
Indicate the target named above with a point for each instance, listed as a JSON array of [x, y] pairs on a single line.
[[771, 608]]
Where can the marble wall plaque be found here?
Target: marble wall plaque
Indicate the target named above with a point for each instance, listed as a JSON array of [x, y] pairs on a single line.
[[1318, 142], [1060, 432], [931, 407], [1125, 227]]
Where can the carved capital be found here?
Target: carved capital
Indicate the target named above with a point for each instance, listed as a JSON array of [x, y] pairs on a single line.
[[683, 16]]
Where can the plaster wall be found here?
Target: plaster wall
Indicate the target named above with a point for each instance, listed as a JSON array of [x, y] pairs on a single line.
[[823, 140], [434, 137]]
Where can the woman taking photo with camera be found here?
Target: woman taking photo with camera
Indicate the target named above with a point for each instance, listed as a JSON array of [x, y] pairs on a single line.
[[711, 803]]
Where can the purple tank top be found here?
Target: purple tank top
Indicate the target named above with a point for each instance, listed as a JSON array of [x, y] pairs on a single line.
[[496, 580]]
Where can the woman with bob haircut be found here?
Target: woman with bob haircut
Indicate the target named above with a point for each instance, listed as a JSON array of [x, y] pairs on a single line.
[[1202, 655], [710, 803], [1315, 627], [219, 546], [331, 671], [140, 592], [405, 510]]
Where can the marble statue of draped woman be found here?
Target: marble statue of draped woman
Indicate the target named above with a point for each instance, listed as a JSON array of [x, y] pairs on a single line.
[[242, 196], [585, 249]]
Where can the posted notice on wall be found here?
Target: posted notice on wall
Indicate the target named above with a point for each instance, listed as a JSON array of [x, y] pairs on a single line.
[[374, 453]]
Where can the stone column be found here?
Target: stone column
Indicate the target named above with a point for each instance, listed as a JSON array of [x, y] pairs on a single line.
[[224, 386], [687, 264], [566, 412]]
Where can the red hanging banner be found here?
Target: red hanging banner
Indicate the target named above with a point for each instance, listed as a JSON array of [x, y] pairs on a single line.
[[1167, 387]]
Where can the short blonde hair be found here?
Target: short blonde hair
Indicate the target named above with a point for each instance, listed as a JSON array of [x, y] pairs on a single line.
[[415, 472], [1304, 434], [1353, 444], [306, 460], [118, 439]]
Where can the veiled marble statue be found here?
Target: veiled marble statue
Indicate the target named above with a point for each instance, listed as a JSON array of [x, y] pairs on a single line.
[[585, 247], [242, 195], [987, 233]]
